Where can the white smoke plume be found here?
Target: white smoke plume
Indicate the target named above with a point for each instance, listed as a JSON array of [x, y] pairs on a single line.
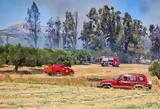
[[151, 11]]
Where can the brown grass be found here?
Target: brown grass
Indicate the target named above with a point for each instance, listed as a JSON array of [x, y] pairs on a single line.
[[85, 75], [43, 96], [41, 91]]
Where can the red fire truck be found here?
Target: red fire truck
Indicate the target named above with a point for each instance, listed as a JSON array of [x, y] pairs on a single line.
[[105, 61]]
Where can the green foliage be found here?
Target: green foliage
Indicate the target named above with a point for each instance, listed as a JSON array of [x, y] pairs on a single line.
[[106, 29], [154, 69], [69, 34], [91, 37], [81, 56], [155, 40], [16, 56], [33, 23], [26, 56], [2, 56], [4, 51], [30, 57], [65, 60]]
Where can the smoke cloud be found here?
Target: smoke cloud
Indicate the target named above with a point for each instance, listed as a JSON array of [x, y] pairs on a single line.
[[151, 11], [57, 8]]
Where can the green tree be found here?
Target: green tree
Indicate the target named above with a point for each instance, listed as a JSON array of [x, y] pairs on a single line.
[[2, 55], [81, 56], [17, 56], [69, 36], [155, 39], [51, 32], [106, 24], [154, 69], [30, 57], [86, 34], [92, 38], [33, 23], [4, 51], [128, 33]]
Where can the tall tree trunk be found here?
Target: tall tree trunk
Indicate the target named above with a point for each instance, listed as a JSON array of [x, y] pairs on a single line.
[[126, 46]]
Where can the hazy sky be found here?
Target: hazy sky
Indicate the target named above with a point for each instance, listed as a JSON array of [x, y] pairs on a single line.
[[15, 11]]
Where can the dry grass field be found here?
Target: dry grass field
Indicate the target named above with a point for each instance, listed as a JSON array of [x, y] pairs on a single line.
[[44, 96], [36, 90], [85, 75]]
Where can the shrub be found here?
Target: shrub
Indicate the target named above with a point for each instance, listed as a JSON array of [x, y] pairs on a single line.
[[80, 56], [4, 54], [17, 56], [30, 57], [154, 69]]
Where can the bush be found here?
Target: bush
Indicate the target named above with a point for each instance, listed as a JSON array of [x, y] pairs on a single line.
[[17, 56], [80, 56], [30, 57], [4, 54], [154, 69]]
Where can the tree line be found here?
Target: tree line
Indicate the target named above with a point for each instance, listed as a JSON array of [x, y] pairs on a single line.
[[18, 55], [54, 29], [105, 28], [105, 32]]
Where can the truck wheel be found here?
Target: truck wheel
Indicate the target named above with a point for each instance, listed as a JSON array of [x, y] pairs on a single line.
[[116, 65], [58, 73], [138, 87], [71, 73], [150, 87], [107, 86], [102, 65]]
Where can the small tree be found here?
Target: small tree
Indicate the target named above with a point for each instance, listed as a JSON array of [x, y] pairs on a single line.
[[65, 60], [2, 58], [4, 53], [16, 56], [81, 56], [154, 69], [31, 57]]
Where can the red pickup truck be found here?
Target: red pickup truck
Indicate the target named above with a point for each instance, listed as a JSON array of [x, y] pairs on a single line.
[[58, 70], [128, 81]]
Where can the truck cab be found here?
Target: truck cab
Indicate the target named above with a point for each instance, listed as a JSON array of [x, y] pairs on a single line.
[[58, 69], [127, 81]]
